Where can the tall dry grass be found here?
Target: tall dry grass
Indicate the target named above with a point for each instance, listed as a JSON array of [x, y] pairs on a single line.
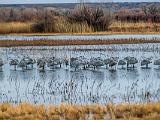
[[66, 27], [15, 27], [62, 26], [25, 111], [134, 27]]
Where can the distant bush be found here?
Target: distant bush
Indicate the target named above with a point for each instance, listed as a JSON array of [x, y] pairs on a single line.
[[149, 13], [64, 26], [46, 25], [94, 17]]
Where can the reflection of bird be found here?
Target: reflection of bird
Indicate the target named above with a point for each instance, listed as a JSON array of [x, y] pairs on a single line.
[[157, 62], [1, 64], [146, 62], [14, 62]]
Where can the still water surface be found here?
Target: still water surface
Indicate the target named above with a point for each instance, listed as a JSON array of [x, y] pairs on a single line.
[[81, 37], [82, 86]]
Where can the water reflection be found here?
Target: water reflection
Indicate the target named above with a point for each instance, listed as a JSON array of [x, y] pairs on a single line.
[[157, 73], [132, 74], [98, 75], [81, 86], [146, 73], [26, 75], [113, 75], [1, 76]]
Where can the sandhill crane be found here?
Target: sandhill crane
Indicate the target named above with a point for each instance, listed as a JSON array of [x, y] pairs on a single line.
[[52, 62], [131, 61], [1, 64], [41, 63], [75, 63], [25, 62], [66, 62], [122, 63], [111, 62], [146, 62], [107, 61], [96, 62], [14, 62], [83, 62], [59, 61]]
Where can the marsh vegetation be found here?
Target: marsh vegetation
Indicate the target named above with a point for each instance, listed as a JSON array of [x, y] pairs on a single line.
[[80, 76], [83, 18]]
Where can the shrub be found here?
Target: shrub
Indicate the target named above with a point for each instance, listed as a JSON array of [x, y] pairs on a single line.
[[94, 17], [46, 25]]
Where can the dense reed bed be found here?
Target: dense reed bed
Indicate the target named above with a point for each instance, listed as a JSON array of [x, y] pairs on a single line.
[[25, 111], [134, 27], [15, 27], [14, 43]]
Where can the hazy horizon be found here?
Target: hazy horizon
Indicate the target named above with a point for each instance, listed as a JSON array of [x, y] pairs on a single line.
[[67, 1]]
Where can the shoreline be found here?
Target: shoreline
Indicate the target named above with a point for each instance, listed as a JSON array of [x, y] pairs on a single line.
[[18, 43], [147, 111], [81, 34]]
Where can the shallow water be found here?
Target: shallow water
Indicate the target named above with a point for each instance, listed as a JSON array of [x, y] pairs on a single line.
[[82, 86], [77, 37]]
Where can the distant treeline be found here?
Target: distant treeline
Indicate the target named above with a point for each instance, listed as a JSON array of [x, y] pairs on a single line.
[[22, 14], [46, 19], [149, 13], [83, 18]]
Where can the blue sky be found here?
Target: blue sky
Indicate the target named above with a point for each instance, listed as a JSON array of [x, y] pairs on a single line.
[[66, 1]]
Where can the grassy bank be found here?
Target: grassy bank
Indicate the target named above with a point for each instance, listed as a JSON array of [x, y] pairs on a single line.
[[24, 111], [89, 33], [15, 43], [12, 27], [63, 28], [139, 27]]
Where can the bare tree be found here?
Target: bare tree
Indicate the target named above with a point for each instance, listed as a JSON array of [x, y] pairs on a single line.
[[94, 17]]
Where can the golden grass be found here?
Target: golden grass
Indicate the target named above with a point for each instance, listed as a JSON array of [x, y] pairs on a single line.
[[64, 28], [15, 27], [14, 43], [134, 27], [26, 111]]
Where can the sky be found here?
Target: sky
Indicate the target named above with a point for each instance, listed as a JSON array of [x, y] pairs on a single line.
[[67, 1]]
